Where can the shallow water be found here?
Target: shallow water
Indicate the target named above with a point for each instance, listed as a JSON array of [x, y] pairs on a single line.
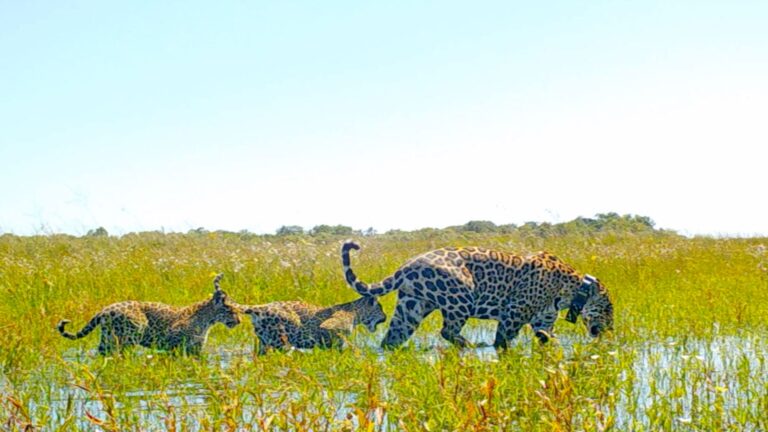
[[154, 409], [670, 371], [660, 372]]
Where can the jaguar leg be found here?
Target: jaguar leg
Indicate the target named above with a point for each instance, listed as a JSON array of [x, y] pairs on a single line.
[[452, 325], [506, 331], [409, 313], [500, 342], [543, 323], [108, 342], [260, 346]]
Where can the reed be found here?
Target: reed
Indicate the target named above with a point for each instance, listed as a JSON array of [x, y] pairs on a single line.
[[689, 350]]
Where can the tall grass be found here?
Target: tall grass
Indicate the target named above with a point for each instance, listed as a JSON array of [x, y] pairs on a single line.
[[688, 353]]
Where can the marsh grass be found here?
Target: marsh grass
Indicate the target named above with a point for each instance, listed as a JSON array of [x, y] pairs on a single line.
[[688, 353]]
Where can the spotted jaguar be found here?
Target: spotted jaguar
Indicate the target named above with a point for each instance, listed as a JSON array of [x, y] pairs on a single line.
[[159, 325], [474, 282], [284, 324]]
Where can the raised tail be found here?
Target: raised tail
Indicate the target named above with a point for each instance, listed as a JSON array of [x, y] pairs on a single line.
[[377, 289], [92, 324], [217, 282]]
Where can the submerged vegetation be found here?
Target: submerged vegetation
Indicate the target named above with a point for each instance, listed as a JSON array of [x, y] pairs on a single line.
[[689, 350]]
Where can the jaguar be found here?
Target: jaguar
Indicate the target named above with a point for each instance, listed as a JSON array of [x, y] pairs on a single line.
[[474, 282], [284, 324], [158, 325]]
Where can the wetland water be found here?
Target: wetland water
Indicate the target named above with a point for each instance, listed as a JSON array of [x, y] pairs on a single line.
[[651, 378]]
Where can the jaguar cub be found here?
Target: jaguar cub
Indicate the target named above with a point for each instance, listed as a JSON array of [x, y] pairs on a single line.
[[159, 325], [285, 324]]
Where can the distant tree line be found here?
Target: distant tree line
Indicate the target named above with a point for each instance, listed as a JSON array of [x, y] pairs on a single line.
[[321, 230], [602, 222]]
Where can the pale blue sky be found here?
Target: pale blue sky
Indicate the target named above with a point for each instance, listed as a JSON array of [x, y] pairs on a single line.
[[252, 115]]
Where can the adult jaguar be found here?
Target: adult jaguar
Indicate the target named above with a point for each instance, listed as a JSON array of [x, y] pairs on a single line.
[[159, 325], [474, 282]]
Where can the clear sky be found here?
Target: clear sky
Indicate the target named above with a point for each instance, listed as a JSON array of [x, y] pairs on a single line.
[[399, 114]]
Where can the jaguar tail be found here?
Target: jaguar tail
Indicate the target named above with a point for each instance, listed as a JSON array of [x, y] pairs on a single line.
[[92, 324], [377, 289]]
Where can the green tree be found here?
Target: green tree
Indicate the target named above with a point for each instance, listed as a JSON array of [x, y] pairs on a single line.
[[98, 232], [287, 230], [339, 230], [479, 226]]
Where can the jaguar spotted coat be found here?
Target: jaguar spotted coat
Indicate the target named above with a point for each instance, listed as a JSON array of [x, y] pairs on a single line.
[[158, 325], [474, 282], [280, 325]]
